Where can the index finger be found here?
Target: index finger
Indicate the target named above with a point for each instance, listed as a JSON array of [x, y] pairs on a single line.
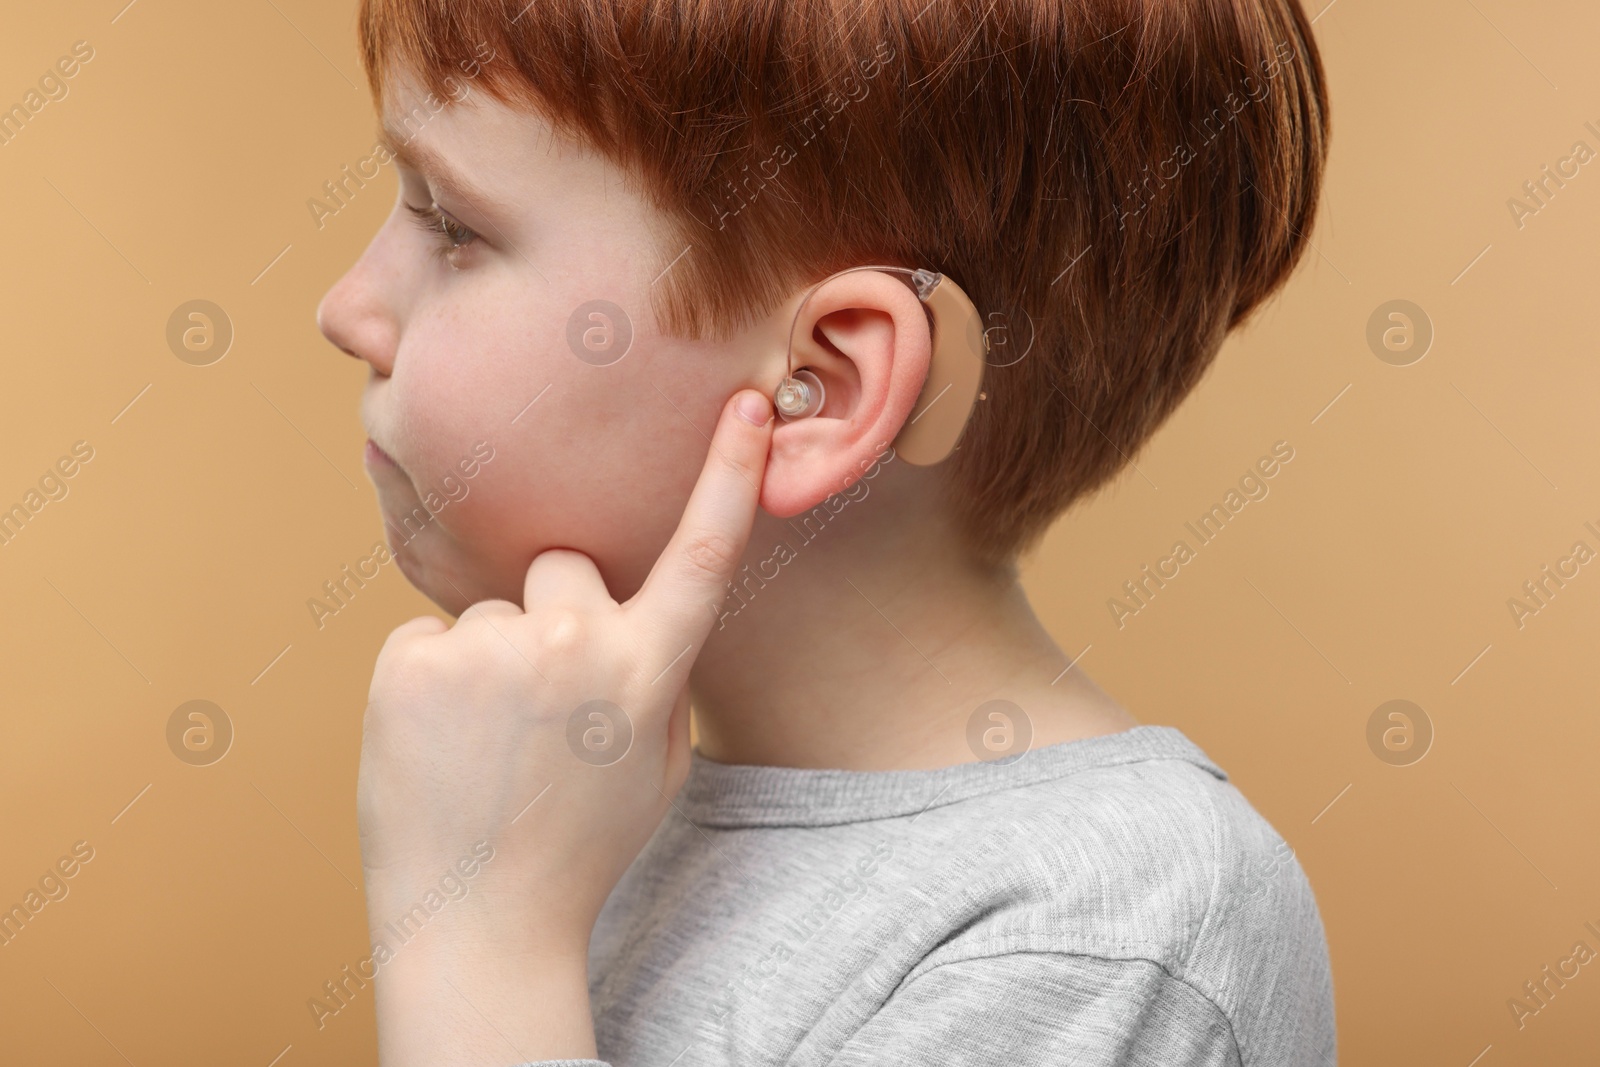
[[683, 589]]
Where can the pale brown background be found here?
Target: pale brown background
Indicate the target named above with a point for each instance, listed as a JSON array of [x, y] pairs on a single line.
[[179, 566]]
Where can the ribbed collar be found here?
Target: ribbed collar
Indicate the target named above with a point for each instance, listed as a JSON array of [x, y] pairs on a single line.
[[738, 794]]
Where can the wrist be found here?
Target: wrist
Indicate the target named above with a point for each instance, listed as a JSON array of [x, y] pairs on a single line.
[[443, 1000], [493, 916]]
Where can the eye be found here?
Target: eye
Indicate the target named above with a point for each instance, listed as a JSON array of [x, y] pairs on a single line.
[[452, 236]]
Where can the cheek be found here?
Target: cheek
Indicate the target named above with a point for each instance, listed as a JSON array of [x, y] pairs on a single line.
[[607, 472], [614, 466], [583, 464], [462, 375], [600, 459]]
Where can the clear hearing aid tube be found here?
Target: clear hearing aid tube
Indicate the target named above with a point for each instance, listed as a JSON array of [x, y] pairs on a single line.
[[800, 395]]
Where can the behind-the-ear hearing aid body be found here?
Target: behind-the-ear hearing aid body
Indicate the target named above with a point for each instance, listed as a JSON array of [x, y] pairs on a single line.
[[955, 369]]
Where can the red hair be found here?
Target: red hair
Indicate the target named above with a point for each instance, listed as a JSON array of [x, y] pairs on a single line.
[[1123, 180]]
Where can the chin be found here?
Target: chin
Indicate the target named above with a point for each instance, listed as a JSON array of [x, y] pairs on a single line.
[[414, 571], [425, 580]]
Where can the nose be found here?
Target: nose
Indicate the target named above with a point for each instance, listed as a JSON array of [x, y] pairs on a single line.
[[356, 317]]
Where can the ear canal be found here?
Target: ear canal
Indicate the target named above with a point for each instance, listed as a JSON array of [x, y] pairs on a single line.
[[799, 396]]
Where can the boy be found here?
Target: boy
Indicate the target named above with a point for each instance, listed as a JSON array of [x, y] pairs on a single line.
[[912, 830]]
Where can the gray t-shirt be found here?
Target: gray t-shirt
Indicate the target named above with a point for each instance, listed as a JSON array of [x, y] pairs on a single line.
[[1113, 900]]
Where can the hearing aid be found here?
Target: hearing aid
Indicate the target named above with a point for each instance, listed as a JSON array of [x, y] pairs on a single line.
[[955, 368]]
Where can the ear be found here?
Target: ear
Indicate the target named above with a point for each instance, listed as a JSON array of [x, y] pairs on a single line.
[[867, 337]]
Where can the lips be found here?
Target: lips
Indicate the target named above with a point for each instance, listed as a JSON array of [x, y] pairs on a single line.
[[377, 457]]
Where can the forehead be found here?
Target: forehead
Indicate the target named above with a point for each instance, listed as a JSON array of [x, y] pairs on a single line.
[[520, 180], [469, 139]]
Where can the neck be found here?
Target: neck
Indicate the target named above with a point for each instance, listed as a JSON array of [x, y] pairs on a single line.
[[864, 637]]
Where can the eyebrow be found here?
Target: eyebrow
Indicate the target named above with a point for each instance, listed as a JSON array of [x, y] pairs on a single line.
[[425, 161]]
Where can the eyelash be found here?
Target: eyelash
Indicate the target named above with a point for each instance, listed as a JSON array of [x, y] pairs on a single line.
[[452, 236]]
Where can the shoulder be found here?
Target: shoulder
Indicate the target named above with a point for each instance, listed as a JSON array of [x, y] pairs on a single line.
[[1129, 859], [1157, 865]]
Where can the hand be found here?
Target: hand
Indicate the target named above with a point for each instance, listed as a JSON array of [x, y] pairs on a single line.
[[557, 732]]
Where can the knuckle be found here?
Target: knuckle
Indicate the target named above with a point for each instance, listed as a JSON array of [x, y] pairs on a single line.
[[483, 609], [562, 631], [413, 631], [711, 554], [752, 471], [408, 667]]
